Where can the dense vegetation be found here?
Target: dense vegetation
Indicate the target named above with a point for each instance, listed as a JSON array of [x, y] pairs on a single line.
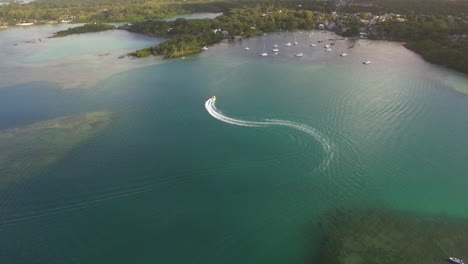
[[244, 22], [441, 40], [436, 29], [90, 11], [95, 27], [180, 46], [427, 7]]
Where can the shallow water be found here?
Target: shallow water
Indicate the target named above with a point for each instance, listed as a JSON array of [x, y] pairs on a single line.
[[167, 182]]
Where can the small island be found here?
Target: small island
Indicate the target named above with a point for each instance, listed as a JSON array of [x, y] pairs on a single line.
[[92, 27]]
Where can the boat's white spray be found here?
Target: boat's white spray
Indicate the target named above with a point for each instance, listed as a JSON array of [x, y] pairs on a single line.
[[211, 108]]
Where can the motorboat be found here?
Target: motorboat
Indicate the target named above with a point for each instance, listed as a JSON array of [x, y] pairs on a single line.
[[295, 41], [299, 54], [343, 54], [456, 260], [213, 98], [326, 46], [313, 45], [205, 48], [328, 50], [366, 62], [288, 44], [246, 48], [275, 50]]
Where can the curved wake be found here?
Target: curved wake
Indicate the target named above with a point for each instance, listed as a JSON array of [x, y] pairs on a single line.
[[211, 108]]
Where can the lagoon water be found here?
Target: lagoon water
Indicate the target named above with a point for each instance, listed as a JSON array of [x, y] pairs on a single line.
[[167, 182]]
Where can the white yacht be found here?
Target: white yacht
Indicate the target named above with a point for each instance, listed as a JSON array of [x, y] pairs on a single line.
[[204, 48], [246, 48], [343, 54]]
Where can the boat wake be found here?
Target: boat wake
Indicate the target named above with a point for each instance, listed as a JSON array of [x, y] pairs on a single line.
[[211, 108]]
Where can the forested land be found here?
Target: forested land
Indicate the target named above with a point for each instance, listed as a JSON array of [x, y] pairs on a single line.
[[436, 29], [439, 39], [129, 10], [93, 27], [426, 7], [189, 36]]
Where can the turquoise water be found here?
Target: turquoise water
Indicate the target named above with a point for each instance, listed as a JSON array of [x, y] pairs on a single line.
[[167, 182]]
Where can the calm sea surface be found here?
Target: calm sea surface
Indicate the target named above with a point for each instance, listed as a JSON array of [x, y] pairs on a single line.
[[167, 182]]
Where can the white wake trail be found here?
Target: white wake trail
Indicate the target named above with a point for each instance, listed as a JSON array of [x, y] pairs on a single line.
[[327, 148]]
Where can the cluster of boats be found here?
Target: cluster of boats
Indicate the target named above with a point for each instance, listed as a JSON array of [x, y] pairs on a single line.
[[275, 49]]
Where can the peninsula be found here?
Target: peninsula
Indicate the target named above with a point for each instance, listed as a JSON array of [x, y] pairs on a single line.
[[94, 27]]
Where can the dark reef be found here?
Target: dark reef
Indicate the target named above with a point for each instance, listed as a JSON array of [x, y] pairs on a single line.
[[384, 236]]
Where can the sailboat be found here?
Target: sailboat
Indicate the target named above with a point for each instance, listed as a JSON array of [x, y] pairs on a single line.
[[276, 45], [299, 53], [264, 54]]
